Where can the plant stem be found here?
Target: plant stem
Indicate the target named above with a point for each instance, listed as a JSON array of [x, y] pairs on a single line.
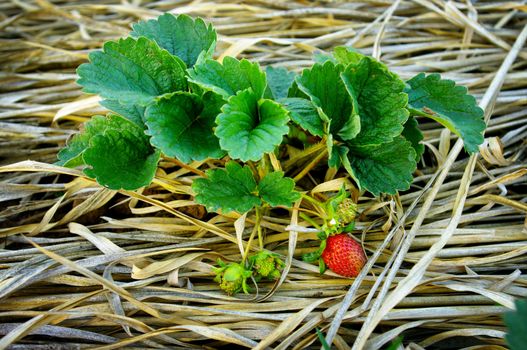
[[256, 228], [309, 220], [319, 206], [185, 166], [274, 162], [259, 227], [308, 152], [254, 169], [312, 200]]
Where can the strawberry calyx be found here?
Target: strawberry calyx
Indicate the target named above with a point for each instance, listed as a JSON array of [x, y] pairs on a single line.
[[316, 256]]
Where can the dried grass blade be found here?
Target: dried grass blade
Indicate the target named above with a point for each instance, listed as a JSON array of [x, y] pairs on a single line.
[[466, 332], [162, 267], [110, 286], [25, 328], [288, 325], [239, 227]]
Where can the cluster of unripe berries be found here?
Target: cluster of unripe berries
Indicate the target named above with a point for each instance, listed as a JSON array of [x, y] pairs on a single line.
[[232, 277]]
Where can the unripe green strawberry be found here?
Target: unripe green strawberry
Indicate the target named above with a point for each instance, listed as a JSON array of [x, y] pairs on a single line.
[[232, 277], [266, 265], [343, 255], [346, 212]]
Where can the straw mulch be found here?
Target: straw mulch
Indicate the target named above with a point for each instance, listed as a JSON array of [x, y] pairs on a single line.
[[85, 267]]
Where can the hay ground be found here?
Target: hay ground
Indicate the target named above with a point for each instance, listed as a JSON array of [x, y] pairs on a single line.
[[85, 267]]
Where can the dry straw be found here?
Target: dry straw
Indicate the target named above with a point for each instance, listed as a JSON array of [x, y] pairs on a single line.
[[85, 267]]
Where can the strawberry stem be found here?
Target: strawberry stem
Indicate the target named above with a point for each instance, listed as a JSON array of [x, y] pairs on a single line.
[[319, 206], [259, 227], [310, 221], [256, 228]]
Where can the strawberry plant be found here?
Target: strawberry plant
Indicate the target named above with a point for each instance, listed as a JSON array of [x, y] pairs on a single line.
[[168, 97]]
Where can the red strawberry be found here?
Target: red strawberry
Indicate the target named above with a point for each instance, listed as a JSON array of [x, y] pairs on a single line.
[[343, 255]]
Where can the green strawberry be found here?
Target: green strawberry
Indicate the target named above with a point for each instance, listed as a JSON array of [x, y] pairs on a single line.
[[232, 277], [343, 255], [340, 211], [346, 211], [266, 265]]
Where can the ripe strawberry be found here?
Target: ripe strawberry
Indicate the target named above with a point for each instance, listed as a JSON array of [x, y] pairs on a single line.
[[343, 255]]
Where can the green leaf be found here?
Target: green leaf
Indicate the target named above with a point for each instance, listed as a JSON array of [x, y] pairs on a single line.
[[338, 152], [277, 190], [71, 155], [181, 125], [315, 255], [516, 322], [249, 126], [321, 266], [311, 257], [121, 72], [232, 188], [322, 339], [385, 168], [180, 35], [325, 88], [412, 133], [379, 97], [321, 57], [347, 55], [339, 157], [279, 80], [448, 104], [134, 113], [396, 343], [341, 54], [229, 78], [304, 113], [121, 156]]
